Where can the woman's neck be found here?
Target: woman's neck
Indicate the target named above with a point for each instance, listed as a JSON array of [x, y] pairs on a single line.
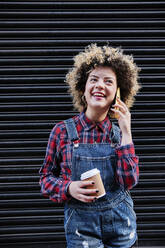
[[96, 116]]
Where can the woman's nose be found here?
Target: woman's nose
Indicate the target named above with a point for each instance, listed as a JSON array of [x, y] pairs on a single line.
[[100, 84]]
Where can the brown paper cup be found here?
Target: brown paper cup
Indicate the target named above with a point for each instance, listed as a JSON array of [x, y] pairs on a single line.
[[94, 175]]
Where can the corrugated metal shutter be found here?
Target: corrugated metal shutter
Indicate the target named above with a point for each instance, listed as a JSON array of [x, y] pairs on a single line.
[[37, 42]]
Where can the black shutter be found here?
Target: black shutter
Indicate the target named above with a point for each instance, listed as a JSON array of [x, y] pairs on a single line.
[[37, 42]]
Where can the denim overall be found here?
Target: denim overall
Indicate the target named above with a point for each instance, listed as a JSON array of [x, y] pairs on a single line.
[[110, 221]]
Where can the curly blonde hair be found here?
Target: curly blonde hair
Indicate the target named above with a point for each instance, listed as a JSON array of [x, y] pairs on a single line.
[[93, 56]]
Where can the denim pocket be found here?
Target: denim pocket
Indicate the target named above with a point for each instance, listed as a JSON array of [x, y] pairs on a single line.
[[124, 222], [68, 216], [128, 201]]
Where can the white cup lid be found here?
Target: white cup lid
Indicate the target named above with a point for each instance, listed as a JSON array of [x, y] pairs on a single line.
[[89, 173]]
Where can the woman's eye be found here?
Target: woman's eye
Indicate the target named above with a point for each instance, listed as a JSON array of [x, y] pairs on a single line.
[[108, 82], [93, 80]]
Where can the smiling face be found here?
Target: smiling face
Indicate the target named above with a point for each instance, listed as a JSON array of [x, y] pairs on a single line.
[[100, 90]]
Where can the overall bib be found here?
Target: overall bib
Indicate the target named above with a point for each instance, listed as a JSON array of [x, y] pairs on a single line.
[[110, 221]]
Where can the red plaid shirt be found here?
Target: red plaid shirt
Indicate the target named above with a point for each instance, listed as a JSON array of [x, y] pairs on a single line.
[[55, 174]]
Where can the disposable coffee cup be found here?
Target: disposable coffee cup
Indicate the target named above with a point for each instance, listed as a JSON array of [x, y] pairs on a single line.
[[94, 175]]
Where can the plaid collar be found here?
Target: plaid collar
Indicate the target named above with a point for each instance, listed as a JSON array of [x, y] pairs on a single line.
[[89, 125]]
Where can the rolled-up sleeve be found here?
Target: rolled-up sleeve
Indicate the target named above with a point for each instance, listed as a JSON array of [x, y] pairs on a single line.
[[52, 184], [127, 170]]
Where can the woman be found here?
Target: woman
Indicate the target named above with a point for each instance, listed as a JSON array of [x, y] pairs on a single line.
[[91, 140]]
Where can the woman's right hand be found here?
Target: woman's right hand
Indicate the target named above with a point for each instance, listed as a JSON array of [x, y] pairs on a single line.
[[78, 190]]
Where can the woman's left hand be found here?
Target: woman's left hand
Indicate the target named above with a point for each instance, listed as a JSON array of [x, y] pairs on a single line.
[[124, 119]]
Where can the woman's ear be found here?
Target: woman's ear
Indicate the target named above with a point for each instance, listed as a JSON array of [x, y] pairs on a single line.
[[84, 100]]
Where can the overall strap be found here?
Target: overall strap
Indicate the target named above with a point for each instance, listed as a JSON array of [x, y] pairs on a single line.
[[71, 129], [115, 134]]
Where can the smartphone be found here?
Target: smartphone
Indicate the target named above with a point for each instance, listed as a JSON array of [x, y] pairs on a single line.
[[117, 95]]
